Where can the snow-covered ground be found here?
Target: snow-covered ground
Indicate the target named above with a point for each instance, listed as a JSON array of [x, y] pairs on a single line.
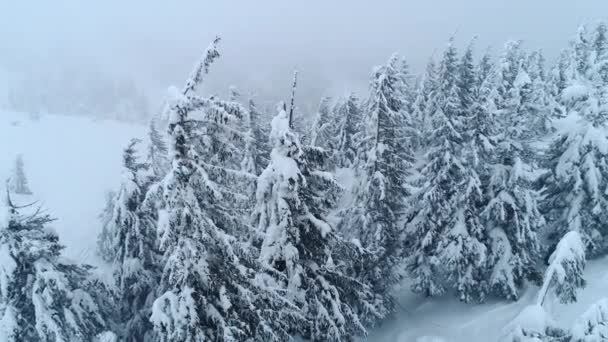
[[446, 319], [72, 161]]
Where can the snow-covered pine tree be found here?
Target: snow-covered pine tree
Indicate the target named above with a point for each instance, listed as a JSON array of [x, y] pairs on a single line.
[[348, 112], [466, 82], [408, 95], [379, 204], [510, 215], [423, 106], [300, 250], [42, 297], [482, 126], [130, 237], [260, 138], [443, 233], [322, 132], [574, 191], [512, 220], [565, 272], [157, 152], [18, 182], [538, 103], [208, 289]]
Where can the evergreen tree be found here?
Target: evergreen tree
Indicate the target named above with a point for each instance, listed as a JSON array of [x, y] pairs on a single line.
[[512, 219], [443, 234], [42, 297], [322, 133], [466, 81], [424, 106], [374, 217], [574, 194], [511, 216], [300, 249], [208, 289], [259, 138], [132, 248], [483, 128], [18, 183], [349, 114]]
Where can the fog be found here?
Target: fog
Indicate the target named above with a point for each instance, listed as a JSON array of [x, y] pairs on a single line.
[[334, 44]]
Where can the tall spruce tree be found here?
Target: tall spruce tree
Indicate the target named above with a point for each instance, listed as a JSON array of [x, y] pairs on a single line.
[[208, 289], [300, 249], [322, 133], [443, 234], [131, 242], [424, 106], [511, 214], [348, 112], [512, 220], [379, 204], [260, 138], [574, 192]]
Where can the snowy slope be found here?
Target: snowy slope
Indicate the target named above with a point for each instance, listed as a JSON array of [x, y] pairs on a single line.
[[446, 319], [70, 163]]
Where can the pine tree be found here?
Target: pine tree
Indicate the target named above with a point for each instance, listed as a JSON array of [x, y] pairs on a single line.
[[300, 249], [208, 289], [18, 183], [511, 215], [574, 194], [132, 247], [349, 114], [322, 133], [424, 106], [443, 234], [512, 219], [482, 127], [42, 297], [261, 150], [379, 204], [466, 82]]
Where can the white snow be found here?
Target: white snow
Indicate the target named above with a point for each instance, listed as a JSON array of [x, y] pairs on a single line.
[[448, 318], [593, 324], [575, 92], [70, 163]]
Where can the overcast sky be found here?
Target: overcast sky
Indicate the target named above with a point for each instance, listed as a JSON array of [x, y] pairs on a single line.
[[334, 43]]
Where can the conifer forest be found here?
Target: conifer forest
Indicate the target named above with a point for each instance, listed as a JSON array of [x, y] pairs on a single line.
[[464, 198]]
